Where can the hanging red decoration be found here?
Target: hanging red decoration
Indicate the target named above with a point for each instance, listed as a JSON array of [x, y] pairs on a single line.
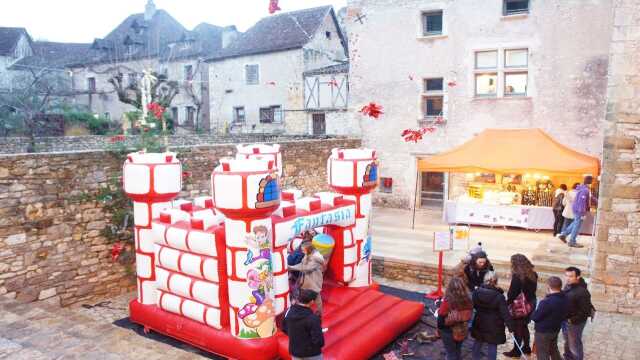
[[416, 135], [186, 175], [372, 110], [117, 139], [273, 6], [452, 83], [272, 83], [156, 109], [333, 82], [116, 250]]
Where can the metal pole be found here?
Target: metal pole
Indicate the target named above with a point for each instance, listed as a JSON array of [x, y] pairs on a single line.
[[415, 202]]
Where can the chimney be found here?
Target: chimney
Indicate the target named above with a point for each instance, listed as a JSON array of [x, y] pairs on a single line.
[[229, 34], [149, 10]]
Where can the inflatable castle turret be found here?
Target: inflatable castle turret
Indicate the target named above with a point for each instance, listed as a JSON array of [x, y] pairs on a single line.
[[212, 272]]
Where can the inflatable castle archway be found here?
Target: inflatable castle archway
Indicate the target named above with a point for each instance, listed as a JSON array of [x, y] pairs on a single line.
[[213, 272]]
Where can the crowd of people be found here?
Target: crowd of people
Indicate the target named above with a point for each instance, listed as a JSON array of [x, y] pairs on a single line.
[[570, 209], [474, 304]]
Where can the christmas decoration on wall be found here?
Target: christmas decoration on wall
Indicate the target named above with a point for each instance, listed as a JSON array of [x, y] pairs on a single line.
[[416, 135], [372, 110], [452, 84], [333, 82], [156, 109], [273, 6], [116, 250]]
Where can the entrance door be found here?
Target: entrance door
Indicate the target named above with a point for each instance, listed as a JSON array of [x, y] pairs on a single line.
[[432, 190], [319, 125]]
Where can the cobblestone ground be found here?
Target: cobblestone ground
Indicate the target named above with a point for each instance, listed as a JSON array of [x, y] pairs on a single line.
[[40, 331]]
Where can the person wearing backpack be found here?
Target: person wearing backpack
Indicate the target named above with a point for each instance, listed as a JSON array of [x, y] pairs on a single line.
[[580, 309], [558, 208], [491, 317], [454, 313], [581, 207], [521, 300]]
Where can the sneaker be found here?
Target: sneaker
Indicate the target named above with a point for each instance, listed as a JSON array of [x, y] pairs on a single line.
[[576, 245], [563, 238]]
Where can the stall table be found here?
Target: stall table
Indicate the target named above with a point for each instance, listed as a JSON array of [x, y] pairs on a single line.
[[521, 216]]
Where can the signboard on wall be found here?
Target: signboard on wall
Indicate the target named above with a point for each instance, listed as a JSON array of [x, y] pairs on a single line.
[[442, 241]]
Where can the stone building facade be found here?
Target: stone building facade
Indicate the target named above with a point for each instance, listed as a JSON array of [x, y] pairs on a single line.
[[257, 82], [473, 65], [616, 274], [15, 44], [51, 243]]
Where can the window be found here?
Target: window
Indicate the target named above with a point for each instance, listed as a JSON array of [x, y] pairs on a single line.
[[433, 106], [328, 35], [252, 74], [433, 84], [487, 59], [486, 84], [239, 114], [511, 7], [432, 23], [516, 58], [272, 114], [515, 84], [191, 115], [319, 124], [188, 72], [91, 84], [107, 115], [174, 115], [133, 79]]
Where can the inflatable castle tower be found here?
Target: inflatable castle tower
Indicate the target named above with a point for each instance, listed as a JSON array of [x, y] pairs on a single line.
[[213, 272]]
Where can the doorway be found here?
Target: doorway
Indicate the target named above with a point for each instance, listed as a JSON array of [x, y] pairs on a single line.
[[319, 124], [432, 190]]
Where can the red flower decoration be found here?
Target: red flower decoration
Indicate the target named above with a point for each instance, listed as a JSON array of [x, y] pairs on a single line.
[[117, 138], [416, 135], [186, 175], [452, 83], [333, 82], [116, 250], [156, 109], [372, 110], [273, 6]]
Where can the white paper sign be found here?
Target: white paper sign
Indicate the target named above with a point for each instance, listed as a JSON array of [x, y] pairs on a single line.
[[461, 236], [442, 241]]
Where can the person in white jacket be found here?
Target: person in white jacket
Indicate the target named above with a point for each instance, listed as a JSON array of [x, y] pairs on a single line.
[[567, 202]]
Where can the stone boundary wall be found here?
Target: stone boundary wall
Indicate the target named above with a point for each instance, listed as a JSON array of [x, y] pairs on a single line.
[[616, 266], [19, 145], [51, 246]]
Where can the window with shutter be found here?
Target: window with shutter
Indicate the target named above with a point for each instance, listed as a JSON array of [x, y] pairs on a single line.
[[432, 23]]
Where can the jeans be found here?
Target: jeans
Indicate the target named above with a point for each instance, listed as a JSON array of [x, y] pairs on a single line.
[[452, 347], [573, 230], [565, 224], [492, 350], [572, 334], [547, 346]]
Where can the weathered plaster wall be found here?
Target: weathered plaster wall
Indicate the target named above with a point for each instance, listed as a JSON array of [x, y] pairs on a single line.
[[616, 272], [51, 246], [568, 44]]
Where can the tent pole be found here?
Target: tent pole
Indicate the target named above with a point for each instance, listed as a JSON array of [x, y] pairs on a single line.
[[415, 201]]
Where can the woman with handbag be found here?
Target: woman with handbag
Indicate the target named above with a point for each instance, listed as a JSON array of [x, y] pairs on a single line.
[[491, 317], [521, 299], [453, 315]]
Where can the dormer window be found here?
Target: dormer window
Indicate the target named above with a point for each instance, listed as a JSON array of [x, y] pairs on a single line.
[[328, 35]]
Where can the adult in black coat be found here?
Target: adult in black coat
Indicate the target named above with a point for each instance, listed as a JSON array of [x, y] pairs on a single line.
[[476, 269], [523, 280], [303, 327], [491, 317]]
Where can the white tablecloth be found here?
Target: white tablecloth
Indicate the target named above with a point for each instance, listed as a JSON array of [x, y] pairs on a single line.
[[522, 216]]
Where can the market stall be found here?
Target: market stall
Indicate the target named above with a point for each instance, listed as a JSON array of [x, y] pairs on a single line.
[[509, 178]]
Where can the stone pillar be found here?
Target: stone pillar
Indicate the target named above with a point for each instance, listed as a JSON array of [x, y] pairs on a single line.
[[615, 284]]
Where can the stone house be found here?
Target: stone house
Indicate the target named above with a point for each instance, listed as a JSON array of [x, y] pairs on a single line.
[[15, 44], [257, 82], [465, 66], [151, 40]]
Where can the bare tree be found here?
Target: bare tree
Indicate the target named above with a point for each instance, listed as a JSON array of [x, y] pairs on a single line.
[[162, 92]]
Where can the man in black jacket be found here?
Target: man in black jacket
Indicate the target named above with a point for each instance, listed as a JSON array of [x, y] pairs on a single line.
[[549, 315], [580, 309], [303, 328]]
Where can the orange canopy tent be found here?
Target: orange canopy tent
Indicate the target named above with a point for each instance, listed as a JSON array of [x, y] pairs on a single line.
[[513, 151]]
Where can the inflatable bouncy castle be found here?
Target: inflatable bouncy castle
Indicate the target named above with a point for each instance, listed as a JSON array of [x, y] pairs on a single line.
[[212, 272]]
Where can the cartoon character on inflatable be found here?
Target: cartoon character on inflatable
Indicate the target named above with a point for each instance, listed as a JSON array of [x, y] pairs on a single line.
[[212, 272]]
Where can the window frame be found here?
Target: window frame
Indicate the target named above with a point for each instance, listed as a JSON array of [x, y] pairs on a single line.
[[188, 72], [496, 73], [501, 72], [425, 100], [425, 85], [92, 84], [277, 114], [526, 90], [504, 58], [487, 68], [236, 115], [424, 17], [246, 74], [505, 12]]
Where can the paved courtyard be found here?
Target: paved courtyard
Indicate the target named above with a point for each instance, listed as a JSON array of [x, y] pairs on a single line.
[[101, 331]]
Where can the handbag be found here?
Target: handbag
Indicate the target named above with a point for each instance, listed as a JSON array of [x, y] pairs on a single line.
[[460, 331], [458, 316], [521, 307]]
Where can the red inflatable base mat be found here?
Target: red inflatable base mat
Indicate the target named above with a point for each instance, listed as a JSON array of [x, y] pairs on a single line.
[[360, 322]]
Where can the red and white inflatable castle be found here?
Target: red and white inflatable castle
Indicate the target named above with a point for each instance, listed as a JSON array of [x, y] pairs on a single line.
[[213, 272]]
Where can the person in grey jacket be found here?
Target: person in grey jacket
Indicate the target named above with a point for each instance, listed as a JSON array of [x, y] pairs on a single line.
[[312, 269]]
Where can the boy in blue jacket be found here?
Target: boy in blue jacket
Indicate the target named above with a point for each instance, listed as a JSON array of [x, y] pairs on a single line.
[[549, 315]]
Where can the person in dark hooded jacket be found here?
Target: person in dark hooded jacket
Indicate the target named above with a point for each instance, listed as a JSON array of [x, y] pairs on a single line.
[[491, 316], [303, 328], [476, 269]]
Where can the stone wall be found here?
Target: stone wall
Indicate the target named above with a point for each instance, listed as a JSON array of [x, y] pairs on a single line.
[[51, 247], [18, 145], [616, 273]]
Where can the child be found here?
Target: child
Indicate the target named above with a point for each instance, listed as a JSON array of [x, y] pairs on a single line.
[[303, 328], [312, 269]]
